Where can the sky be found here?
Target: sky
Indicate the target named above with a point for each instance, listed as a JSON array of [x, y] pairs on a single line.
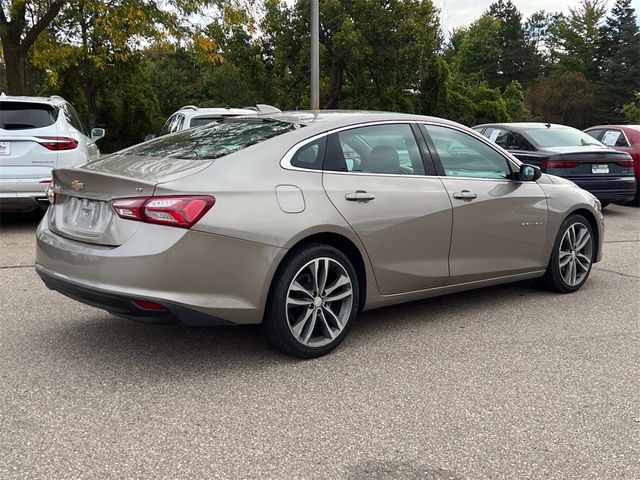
[[457, 13]]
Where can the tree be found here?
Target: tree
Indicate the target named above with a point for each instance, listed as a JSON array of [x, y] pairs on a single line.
[[479, 51], [516, 56], [619, 51], [576, 38], [632, 110], [566, 98], [21, 22]]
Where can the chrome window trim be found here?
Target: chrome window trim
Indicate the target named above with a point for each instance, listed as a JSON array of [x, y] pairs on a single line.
[[285, 162]]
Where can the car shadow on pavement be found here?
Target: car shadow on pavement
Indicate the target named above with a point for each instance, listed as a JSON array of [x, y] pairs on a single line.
[[20, 221], [106, 341]]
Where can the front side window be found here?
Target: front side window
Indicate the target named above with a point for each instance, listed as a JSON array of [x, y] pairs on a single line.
[[212, 141], [462, 155], [383, 149], [73, 118], [168, 124]]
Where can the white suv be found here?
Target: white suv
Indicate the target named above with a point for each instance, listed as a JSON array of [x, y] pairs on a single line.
[[192, 116], [37, 135]]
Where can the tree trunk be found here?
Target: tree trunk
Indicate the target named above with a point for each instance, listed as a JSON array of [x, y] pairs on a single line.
[[14, 63], [335, 86]]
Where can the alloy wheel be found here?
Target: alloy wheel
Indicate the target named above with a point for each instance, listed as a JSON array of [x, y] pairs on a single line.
[[576, 253], [319, 302]]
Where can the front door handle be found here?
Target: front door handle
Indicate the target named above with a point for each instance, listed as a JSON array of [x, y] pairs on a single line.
[[360, 196], [465, 195]]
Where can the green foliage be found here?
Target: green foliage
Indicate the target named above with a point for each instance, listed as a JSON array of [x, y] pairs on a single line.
[[631, 111], [128, 64]]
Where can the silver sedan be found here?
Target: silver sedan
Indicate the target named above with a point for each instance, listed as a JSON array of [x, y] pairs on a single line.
[[299, 220]]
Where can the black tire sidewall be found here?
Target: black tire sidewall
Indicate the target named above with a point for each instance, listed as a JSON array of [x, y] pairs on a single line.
[[277, 329], [554, 275]]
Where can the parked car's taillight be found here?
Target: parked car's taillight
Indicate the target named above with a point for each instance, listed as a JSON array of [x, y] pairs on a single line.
[[626, 163], [178, 211], [549, 163], [58, 143], [50, 192]]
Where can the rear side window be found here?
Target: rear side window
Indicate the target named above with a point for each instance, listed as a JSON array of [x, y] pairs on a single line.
[[311, 155], [614, 138], [24, 116], [212, 141]]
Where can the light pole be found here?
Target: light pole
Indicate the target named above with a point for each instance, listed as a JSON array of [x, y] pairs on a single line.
[[315, 56]]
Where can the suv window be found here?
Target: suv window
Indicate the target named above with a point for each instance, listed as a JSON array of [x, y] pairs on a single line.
[[24, 115], [462, 155], [614, 138], [311, 155], [384, 149], [73, 118], [166, 128]]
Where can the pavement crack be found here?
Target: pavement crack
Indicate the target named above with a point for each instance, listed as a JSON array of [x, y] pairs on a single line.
[[618, 273], [8, 267]]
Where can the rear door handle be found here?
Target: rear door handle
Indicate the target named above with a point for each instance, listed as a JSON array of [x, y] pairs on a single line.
[[360, 196], [465, 195]]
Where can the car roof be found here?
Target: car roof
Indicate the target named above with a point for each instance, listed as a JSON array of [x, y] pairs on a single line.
[[633, 127], [524, 125], [52, 100], [326, 119], [193, 111]]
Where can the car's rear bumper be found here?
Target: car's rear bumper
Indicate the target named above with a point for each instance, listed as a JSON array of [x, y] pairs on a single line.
[[125, 306], [609, 189], [22, 194], [200, 278]]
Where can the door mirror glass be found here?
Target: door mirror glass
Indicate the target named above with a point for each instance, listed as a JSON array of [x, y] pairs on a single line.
[[529, 173], [97, 133], [149, 137]]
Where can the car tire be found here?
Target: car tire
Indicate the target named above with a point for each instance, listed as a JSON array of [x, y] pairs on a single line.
[[573, 254], [313, 302]]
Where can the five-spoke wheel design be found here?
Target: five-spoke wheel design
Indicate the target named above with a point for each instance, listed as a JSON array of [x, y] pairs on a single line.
[[576, 253], [319, 302]]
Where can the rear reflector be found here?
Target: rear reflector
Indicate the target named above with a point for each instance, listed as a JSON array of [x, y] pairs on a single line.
[[147, 305], [177, 211], [558, 164], [58, 143]]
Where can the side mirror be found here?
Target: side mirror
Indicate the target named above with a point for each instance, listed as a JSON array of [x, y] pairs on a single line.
[[149, 137], [529, 173], [97, 134]]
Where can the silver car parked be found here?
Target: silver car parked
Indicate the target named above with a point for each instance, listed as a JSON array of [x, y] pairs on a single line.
[[302, 219]]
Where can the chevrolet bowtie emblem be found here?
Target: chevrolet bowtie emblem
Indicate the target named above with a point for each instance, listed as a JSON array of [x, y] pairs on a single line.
[[77, 186]]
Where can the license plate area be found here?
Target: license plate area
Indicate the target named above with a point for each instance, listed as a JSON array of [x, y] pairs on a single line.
[[5, 148], [598, 168], [86, 215]]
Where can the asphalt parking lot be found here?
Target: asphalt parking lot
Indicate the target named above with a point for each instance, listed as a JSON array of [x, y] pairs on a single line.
[[507, 382]]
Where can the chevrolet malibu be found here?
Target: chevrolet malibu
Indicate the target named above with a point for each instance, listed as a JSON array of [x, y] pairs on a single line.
[[299, 220]]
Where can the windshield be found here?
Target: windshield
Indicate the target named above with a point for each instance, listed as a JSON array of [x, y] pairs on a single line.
[[560, 137], [213, 140]]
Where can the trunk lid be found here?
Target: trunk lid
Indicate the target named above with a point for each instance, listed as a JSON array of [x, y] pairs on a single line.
[[589, 162], [82, 210]]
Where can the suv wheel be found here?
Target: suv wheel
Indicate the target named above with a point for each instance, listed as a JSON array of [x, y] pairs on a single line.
[[313, 302]]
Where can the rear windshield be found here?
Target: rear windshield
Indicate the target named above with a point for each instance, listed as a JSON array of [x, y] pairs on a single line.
[[23, 116], [560, 137], [213, 140], [199, 121]]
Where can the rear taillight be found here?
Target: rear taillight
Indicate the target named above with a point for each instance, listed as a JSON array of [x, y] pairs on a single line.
[[626, 163], [50, 192], [58, 143], [548, 163], [177, 211]]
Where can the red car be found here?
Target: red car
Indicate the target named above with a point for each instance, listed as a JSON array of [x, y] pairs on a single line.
[[625, 138]]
